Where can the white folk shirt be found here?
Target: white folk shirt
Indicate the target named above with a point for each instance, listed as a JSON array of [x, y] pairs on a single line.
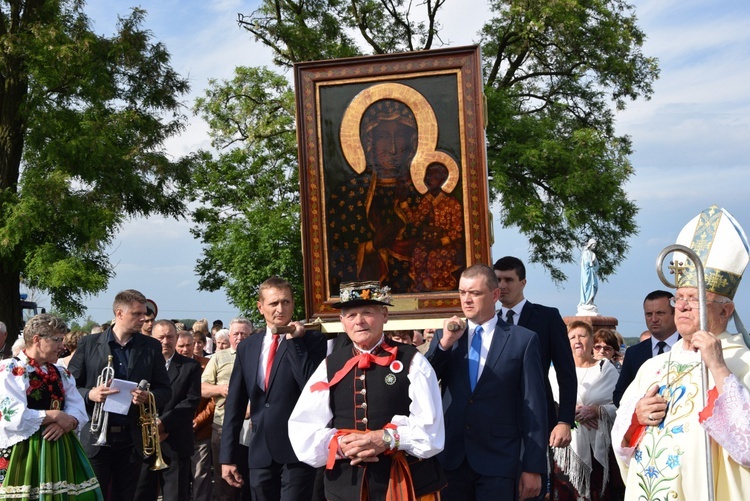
[[421, 433]]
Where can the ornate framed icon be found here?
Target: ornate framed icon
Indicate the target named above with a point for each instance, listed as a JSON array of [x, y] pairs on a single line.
[[393, 174]]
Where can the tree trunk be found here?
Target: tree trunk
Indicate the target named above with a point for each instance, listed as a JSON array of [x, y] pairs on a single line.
[[10, 306], [13, 92]]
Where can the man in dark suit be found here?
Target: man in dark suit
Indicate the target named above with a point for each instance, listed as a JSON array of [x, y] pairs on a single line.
[[553, 344], [175, 424], [201, 477], [135, 357], [659, 316], [495, 407], [269, 373]]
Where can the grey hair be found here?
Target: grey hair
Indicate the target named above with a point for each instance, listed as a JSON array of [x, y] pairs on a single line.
[[241, 320], [222, 333], [43, 325]]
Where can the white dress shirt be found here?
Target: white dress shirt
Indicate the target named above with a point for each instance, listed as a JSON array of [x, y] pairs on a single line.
[[422, 433], [487, 335], [671, 340]]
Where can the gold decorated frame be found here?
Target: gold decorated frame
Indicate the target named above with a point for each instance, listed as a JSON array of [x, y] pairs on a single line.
[[372, 78]]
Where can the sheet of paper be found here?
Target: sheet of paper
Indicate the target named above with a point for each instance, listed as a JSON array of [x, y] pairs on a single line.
[[119, 403]]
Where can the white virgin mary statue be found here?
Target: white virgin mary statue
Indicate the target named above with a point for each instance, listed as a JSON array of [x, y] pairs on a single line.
[[589, 279]]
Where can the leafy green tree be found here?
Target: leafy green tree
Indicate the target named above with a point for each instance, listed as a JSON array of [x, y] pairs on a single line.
[[555, 72], [85, 326], [249, 194], [83, 120]]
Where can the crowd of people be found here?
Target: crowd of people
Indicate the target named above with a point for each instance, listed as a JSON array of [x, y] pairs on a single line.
[[505, 401]]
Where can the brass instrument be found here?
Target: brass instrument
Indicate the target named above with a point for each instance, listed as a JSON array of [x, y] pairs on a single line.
[[150, 429], [99, 418]]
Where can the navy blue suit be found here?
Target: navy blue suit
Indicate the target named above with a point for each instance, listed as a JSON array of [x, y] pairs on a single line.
[[635, 356], [269, 447], [499, 429], [555, 348]]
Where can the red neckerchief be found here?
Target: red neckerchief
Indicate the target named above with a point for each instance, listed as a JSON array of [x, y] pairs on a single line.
[[363, 361]]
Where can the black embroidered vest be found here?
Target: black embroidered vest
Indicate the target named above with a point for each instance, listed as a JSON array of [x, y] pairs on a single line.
[[367, 400]]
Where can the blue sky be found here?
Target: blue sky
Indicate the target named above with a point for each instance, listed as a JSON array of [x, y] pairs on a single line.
[[690, 140]]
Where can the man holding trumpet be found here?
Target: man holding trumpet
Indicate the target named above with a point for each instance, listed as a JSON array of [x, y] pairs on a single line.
[[174, 424], [135, 357]]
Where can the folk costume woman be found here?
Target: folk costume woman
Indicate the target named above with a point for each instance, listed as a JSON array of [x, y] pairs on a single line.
[[40, 412]]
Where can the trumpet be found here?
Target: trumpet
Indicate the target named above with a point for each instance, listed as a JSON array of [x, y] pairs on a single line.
[[150, 430], [99, 418]]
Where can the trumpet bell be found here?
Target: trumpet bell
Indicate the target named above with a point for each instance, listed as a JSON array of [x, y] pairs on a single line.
[[159, 464], [102, 440]]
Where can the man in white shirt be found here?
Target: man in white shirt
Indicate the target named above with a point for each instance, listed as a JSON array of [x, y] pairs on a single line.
[[371, 411]]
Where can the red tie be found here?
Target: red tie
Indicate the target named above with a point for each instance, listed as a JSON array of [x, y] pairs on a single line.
[[271, 356]]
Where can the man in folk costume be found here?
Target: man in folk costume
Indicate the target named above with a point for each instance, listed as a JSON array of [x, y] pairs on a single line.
[[658, 434], [371, 413]]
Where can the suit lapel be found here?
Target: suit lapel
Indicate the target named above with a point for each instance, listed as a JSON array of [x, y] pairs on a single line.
[[283, 345], [499, 340], [462, 354], [174, 368], [523, 320], [103, 351], [135, 352], [254, 349]]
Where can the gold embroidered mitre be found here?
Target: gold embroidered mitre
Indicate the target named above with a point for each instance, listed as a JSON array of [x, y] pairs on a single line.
[[720, 242]]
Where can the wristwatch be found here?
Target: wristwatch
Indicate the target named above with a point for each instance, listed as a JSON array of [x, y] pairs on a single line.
[[387, 438]]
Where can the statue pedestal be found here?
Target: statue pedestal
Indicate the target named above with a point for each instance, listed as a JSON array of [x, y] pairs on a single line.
[[587, 310], [597, 322]]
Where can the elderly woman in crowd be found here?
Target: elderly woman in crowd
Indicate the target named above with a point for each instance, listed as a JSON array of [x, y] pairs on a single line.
[[606, 347], [585, 469], [19, 345], [40, 455], [222, 339]]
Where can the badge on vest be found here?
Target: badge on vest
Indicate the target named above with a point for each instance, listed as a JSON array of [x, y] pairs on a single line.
[[395, 367]]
